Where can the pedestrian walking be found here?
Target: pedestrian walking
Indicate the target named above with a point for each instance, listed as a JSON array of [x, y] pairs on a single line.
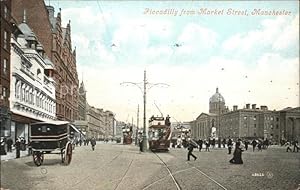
[[254, 143], [93, 143], [141, 144], [213, 143], [288, 146], [229, 145], [296, 147], [259, 146], [18, 147], [23, 142], [224, 142], [200, 143], [207, 145], [2, 146], [190, 151], [9, 144], [246, 144], [237, 154]]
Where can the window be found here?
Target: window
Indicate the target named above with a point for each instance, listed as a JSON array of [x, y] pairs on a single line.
[[5, 66], [245, 117], [276, 126], [5, 40], [245, 124], [277, 119], [272, 118], [38, 72], [254, 118], [254, 125], [272, 126], [17, 89], [5, 12], [4, 92]]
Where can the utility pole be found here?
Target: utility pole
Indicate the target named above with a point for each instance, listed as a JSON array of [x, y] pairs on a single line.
[[144, 91], [219, 121], [144, 131], [137, 125]]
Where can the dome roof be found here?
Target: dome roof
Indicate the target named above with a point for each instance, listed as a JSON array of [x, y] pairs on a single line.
[[217, 97]]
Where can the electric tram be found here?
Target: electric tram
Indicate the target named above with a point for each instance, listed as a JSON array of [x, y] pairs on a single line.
[[159, 133], [127, 134]]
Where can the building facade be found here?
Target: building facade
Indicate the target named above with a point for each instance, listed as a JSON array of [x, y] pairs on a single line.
[[32, 96], [108, 123], [289, 124], [57, 44], [5, 34], [250, 122]]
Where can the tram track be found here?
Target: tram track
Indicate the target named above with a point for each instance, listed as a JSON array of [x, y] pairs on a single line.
[[124, 175], [183, 170], [169, 171]]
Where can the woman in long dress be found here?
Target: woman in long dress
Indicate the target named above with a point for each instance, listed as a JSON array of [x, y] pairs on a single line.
[[237, 154]]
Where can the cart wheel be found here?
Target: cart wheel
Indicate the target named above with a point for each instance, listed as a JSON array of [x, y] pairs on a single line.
[[38, 158], [68, 153]]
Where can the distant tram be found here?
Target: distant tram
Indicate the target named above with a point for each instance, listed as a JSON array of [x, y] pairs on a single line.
[[159, 133], [127, 134]]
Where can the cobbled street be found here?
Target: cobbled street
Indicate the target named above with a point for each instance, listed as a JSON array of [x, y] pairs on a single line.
[[116, 166]]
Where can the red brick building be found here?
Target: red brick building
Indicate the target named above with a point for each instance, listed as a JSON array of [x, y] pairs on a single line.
[[56, 40], [5, 32]]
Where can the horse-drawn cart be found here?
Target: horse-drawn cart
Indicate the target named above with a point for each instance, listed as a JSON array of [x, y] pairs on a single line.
[[51, 138]]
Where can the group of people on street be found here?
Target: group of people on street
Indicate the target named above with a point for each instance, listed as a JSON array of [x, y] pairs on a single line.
[[237, 154], [294, 144], [20, 145], [239, 147]]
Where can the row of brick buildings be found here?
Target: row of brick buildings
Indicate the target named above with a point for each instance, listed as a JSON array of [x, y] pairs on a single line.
[[38, 74], [250, 122], [94, 122]]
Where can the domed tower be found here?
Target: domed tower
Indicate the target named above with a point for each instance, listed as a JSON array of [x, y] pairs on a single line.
[[217, 103]]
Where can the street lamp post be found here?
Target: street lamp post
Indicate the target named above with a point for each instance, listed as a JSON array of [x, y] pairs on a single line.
[[219, 121], [144, 126]]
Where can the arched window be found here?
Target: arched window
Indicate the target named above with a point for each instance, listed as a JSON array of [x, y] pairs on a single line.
[[18, 89], [31, 96], [41, 101], [23, 92], [37, 99]]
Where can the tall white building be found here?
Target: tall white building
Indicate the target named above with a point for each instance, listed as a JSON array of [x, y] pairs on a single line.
[[32, 96]]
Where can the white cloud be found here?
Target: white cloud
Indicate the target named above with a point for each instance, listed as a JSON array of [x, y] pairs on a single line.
[[290, 34], [278, 33], [195, 37]]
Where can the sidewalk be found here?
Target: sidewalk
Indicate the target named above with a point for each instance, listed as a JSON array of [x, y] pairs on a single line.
[[12, 155]]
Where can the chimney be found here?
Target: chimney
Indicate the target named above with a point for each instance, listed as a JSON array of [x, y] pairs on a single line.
[[263, 107], [50, 11], [253, 106], [235, 108], [247, 106]]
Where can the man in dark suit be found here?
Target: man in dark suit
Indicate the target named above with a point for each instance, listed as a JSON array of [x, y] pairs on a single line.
[[190, 151]]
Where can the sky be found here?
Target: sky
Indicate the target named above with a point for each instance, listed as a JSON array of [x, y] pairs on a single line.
[[186, 54]]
